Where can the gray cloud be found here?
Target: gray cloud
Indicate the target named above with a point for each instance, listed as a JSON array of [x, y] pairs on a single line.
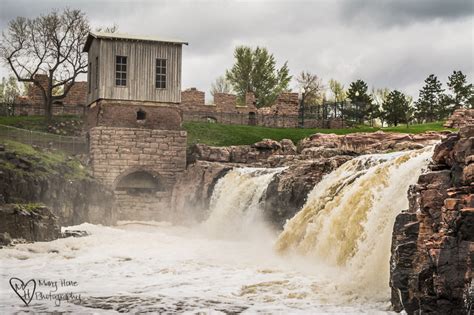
[[400, 12], [393, 44]]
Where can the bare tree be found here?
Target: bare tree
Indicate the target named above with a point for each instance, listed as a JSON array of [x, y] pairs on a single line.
[[49, 44], [313, 87], [221, 85], [107, 29]]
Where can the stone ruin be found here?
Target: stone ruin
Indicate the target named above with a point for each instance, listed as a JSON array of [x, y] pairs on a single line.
[[32, 103]]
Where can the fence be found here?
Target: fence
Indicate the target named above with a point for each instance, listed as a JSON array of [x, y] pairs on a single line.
[[71, 145], [309, 120]]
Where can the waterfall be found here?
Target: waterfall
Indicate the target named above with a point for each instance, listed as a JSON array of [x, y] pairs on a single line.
[[348, 218], [235, 207]]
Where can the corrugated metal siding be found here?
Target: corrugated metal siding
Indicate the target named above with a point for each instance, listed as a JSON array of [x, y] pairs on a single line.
[[141, 58]]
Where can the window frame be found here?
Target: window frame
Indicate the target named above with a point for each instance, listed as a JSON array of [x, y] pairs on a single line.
[[121, 75], [161, 73]]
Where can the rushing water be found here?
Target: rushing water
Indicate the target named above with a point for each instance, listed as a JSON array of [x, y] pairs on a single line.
[[332, 256]]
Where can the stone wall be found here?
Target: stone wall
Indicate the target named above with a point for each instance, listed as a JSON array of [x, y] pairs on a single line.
[[124, 114], [460, 118], [32, 104], [117, 152]]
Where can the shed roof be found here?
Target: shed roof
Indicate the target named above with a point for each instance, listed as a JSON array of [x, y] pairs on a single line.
[[122, 36]]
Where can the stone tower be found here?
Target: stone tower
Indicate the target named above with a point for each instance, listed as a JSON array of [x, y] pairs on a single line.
[[137, 144]]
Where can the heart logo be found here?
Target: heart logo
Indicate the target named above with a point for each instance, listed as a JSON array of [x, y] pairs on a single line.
[[24, 290]]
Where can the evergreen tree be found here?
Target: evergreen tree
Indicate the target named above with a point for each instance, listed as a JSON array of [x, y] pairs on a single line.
[[254, 71], [430, 105], [361, 102], [396, 108], [462, 92]]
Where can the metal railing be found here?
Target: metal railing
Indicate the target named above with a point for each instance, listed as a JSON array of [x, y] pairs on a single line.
[[68, 144]]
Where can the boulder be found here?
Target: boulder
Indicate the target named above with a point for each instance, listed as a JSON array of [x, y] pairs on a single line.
[[30, 222], [287, 192]]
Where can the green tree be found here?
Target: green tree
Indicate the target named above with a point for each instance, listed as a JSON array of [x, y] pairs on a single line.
[[361, 107], [337, 89], [396, 108], [430, 105], [9, 91], [378, 98], [254, 71], [462, 92]]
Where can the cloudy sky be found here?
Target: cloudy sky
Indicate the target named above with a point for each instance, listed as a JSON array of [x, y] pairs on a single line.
[[387, 43]]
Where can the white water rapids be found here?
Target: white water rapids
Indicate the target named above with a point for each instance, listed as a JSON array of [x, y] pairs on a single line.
[[332, 257]]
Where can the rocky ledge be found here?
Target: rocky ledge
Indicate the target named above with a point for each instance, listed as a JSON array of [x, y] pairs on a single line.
[[433, 241], [32, 175], [271, 153], [30, 222]]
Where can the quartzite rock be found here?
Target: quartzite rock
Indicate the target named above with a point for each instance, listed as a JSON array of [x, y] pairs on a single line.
[[433, 241]]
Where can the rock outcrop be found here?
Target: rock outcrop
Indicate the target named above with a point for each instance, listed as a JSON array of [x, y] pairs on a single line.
[[29, 175], [244, 154], [30, 222], [460, 118], [193, 189], [287, 192], [367, 143], [433, 241]]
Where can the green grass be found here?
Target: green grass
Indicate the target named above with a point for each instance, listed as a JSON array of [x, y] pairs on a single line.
[[37, 123], [224, 135], [44, 162]]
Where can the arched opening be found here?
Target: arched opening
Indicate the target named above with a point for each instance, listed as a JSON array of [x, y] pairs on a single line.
[[210, 119], [140, 182], [141, 114]]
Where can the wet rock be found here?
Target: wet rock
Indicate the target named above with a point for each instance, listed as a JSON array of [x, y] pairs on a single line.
[[193, 189], [5, 239], [74, 233], [433, 241], [287, 192], [30, 222]]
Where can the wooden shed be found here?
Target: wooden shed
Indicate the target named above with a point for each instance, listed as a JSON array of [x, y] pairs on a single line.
[[133, 68]]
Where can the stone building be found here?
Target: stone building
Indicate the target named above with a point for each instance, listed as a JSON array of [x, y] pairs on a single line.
[[137, 144]]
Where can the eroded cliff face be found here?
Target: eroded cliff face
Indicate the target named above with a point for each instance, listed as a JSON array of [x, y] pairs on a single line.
[[433, 241], [29, 175]]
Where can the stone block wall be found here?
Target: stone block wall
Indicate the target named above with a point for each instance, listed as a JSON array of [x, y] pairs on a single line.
[[116, 152]]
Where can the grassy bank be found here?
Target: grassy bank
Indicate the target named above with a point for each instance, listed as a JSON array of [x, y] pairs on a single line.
[[223, 135], [20, 157], [64, 125], [218, 134]]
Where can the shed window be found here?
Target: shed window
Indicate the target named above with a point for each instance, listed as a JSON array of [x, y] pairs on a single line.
[[121, 70], [160, 81]]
